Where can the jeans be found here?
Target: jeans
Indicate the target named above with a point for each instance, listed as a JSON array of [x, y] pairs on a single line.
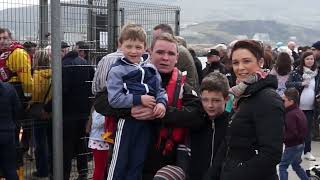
[[292, 156], [8, 161], [309, 116]]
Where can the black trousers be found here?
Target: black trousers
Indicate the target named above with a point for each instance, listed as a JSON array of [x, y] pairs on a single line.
[[8, 162], [73, 131]]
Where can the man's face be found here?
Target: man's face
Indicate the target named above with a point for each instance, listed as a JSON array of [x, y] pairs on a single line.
[[64, 51], [5, 40], [291, 46], [213, 102], [316, 53], [33, 50], [133, 50], [80, 52], [164, 56], [213, 58]]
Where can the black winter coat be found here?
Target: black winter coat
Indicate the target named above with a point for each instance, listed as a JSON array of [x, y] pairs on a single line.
[[295, 80], [253, 145], [76, 89], [10, 107], [205, 141]]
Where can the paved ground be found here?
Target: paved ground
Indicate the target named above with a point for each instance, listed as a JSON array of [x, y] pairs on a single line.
[[292, 176], [306, 164]]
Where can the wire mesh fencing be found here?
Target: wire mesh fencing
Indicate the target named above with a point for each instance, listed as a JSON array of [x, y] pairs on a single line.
[[84, 28]]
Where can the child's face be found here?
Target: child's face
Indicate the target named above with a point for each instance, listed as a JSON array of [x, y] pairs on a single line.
[[213, 102], [133, 50], [287, 102]]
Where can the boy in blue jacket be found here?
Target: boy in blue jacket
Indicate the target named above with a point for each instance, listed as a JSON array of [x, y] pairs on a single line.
[[295, 131], [132, 81]]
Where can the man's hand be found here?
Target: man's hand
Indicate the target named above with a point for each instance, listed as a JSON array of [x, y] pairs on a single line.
[[148, 101], [142, 113], [159, 110]]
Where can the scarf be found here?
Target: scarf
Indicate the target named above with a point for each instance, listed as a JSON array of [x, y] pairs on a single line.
[[241, 86], [308, 74]]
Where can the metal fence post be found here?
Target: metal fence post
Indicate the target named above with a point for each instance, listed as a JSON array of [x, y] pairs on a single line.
[[121, 17], [177, 23], [57, 91], [113, 24], [43, 24], [91, 29]]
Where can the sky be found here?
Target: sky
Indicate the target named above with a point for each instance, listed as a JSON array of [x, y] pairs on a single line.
[[4, 4], [289, 11]]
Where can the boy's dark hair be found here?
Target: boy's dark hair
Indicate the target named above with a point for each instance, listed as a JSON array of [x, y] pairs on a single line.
[[133, 32], [217, 82], [164, 28], [3, 30], [292, 94]]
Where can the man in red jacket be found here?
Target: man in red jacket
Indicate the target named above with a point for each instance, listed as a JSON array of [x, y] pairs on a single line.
[[295, 131]]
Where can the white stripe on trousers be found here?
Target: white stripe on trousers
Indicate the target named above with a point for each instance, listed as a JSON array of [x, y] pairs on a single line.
[[116, 149]]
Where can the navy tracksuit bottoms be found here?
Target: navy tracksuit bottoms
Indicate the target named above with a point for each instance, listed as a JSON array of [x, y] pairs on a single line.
[[130, 149]]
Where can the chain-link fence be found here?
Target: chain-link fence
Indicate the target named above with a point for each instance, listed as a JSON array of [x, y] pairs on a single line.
[[81, 20]]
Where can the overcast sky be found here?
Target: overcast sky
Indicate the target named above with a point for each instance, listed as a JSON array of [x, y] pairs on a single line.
[[304, 12]]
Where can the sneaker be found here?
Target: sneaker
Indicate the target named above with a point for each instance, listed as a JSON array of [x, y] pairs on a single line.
[[309, 156]]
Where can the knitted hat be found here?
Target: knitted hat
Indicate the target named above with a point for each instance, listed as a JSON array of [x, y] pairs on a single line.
[[316, 45], [170, 173]]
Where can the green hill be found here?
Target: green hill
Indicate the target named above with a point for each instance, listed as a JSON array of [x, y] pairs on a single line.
[[226, 31]]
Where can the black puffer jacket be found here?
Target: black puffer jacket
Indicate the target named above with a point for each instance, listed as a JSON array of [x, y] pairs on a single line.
[[253, 145], [76, 75], [9, 107]]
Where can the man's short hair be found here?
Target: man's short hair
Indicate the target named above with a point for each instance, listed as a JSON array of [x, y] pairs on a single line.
[[29, 45], [165, 37], [217, 82], [83, 46], [133, 32], [166, 28], [181, 41], [3, 30], [292, 94]]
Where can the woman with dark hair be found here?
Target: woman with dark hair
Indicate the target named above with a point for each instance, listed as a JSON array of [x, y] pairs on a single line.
[[282, 70], [253, 145], [268, 61], [305, 78]]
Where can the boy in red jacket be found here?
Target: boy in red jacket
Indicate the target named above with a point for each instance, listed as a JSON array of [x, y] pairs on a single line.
[[295, 131]]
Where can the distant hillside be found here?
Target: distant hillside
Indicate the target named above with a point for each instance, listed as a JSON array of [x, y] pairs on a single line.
[[295, 12], [226, 31]]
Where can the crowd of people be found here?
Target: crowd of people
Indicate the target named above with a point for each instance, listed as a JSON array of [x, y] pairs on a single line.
[[158, 114]]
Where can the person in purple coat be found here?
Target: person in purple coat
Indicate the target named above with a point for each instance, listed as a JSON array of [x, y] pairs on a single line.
[[295, 131]]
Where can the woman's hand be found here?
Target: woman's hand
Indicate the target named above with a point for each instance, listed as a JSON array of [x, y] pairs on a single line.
[[305, 83]]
